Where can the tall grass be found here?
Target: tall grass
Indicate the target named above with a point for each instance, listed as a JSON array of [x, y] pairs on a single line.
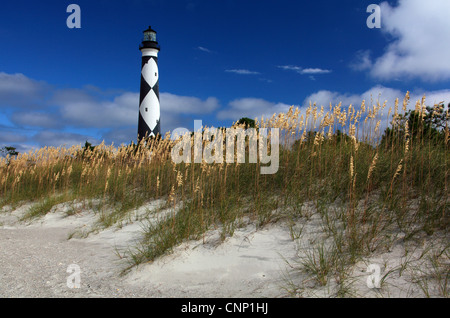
[[331, 157]]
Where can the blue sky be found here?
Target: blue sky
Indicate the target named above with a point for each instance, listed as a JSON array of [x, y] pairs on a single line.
[[219, 61]]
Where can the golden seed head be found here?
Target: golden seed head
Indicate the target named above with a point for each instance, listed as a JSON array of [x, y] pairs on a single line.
[[351, 167], [372, 166], [179, 179]]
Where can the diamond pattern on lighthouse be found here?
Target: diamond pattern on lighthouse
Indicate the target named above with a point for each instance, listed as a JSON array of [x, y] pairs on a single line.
[[150, 72], [149, 108]]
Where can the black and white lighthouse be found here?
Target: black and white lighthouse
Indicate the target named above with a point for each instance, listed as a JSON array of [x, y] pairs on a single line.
[[149, 109]]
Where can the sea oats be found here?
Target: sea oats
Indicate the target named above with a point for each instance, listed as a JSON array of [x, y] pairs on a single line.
[[377, 126], [316, 139], [330, 132], [351, 167], [355, 142], [399, 168], [372, 166], [407, 139], [179, 179]]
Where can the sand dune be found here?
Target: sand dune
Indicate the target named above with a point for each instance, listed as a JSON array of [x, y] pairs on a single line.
[[253, 262]]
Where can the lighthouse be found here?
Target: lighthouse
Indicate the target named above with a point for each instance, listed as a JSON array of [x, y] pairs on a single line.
[[149, 109]]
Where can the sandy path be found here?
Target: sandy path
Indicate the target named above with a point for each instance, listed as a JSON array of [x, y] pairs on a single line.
[[34, 259], [34, 263]]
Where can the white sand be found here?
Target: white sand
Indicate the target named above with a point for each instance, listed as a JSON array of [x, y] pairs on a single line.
[[251, 263], [248, 264]]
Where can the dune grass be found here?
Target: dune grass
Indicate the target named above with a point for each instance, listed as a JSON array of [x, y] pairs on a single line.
[[365, 184]]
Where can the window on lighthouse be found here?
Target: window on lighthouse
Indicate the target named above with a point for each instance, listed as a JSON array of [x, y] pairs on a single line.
[[150, 36]]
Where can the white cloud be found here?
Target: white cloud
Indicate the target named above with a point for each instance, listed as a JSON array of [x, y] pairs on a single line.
[[374, 94], [300, 70], [85, 111], [314, 71], [325, 97], [82, 110], [120, 135], [36, 119], [20, 91], [56, 139], [111, 114], [378, 94], [252, 108], [257, 107], [431, 97], [11, 137], [204, 49], [187, 104], [421, 46], [242, 72], [290, 67], [179, 111], [362, 61]]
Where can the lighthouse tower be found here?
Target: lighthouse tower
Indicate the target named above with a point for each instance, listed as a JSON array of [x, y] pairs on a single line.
[[149, 109]]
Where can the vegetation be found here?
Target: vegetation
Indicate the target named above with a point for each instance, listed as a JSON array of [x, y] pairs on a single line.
[[8, 151], [247, 122], [367, 186]]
